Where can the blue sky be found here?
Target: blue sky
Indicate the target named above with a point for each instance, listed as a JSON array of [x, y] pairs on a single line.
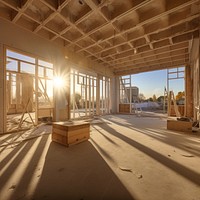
[[150, 83]]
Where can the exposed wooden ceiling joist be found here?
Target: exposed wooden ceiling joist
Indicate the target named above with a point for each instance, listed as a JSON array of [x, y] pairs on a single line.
[[126, 36]]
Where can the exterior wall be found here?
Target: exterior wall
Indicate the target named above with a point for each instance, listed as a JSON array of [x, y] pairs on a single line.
[[25, 41]]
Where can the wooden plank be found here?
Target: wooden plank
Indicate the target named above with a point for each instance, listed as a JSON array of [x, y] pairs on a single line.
[[59, 132], [179, 125], [77, 141], [2, 91], [68, 133], [45, 112], [77, 138], [124, 108], [70, 125], [180, 109], [59, 139], [63, 114], [78, 131], [74, 139]]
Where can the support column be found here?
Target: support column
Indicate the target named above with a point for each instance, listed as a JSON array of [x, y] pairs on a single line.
[[68, 103], [117, 92], [113, 97], [130, 100], [98, 96], [62, 96], [188, 91], [2, 92]]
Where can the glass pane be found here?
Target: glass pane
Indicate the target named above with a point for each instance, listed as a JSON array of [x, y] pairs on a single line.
[[95, 82], [172, 70], [172, 75], [27, 68], [13, 89], [11, 65], [41, 71], [20, 56], [45, 92], [181, 74], [49, 73], [45, 64], [181, 69], [49, 89], [80, 79]]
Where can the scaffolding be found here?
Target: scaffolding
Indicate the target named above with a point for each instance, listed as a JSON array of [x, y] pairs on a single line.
[[169, 97]]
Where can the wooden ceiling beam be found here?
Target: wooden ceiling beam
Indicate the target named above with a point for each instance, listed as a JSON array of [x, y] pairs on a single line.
[[155, 32], [181, 56], [140, 24], [154, 58], [148, 68]]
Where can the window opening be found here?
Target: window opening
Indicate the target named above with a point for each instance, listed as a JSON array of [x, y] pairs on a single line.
[[29, 90]]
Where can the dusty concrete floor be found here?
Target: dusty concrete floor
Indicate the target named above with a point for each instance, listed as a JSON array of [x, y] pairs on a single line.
[[127, 157]]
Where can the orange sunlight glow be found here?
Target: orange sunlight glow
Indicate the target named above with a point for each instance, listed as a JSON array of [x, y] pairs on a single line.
[[59, 82]]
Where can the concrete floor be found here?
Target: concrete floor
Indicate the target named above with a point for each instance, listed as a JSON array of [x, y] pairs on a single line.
[[127, 157]]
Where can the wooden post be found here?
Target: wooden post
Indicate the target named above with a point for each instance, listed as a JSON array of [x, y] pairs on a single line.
[[98, 96], [93, 96], [2, 91], [130, 91], [188, 92], [105, 98], [74, 82], [89, 92], [36, 93], [86, 100], [102, 96], [68, 76], [117, 92]]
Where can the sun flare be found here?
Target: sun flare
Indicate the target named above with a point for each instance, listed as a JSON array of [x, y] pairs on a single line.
[[59, 82]]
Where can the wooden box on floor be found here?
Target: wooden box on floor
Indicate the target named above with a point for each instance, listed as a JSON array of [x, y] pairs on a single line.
[[69, 133], [124, 108], [179, 125]]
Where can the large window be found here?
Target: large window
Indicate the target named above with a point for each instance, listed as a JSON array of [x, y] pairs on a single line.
[[89, 94], [83, 94], [29, 89]]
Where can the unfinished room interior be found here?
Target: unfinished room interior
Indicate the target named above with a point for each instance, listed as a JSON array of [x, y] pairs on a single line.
[[73, 125]]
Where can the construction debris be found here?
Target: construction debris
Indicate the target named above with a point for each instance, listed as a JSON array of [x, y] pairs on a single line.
[[138, 175]]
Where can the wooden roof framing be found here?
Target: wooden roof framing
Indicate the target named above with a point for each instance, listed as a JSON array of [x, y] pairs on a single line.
[[125, 36]]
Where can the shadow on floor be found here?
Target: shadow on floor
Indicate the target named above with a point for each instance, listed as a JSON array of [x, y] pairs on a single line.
[[176, 139], [78, 172], [172, 164]]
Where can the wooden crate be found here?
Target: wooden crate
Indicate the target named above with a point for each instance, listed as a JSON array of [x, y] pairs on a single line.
[[179, 125], [69, 133], [124, 108]]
